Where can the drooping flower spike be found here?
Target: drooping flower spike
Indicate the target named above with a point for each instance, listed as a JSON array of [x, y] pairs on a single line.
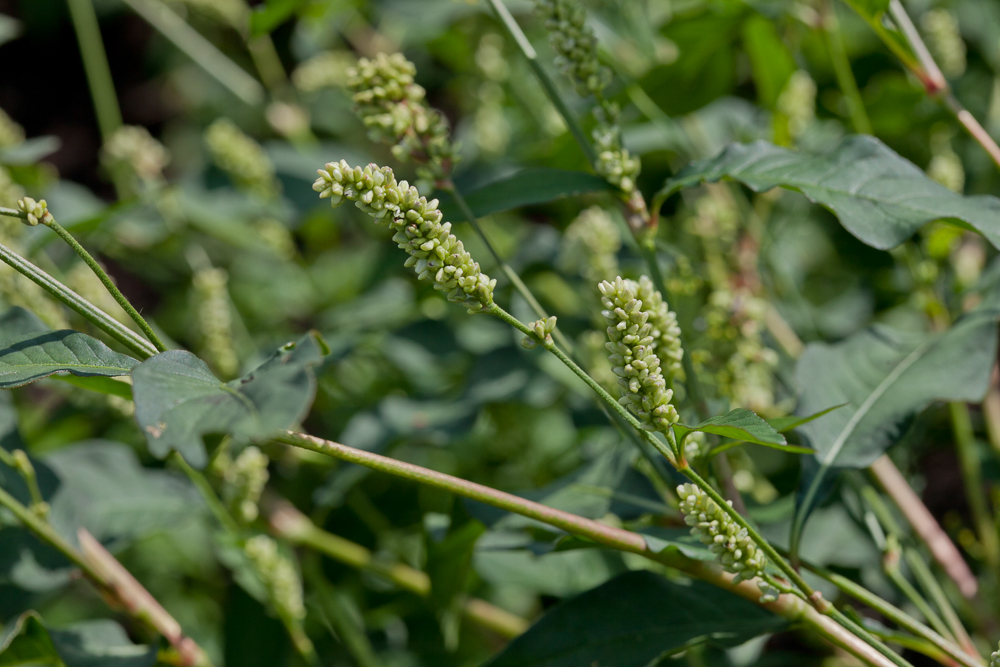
[[435, 253]]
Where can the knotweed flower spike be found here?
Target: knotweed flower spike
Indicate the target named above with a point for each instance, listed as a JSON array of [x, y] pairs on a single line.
[[245, 479], [729, 541], [328, 69], [995, 658], [945, 41], [666, 332], [214, 320], [135, 148], [278, 574], [633, 340], [435, 253], [37, 211], [392, 107], [797, 102], [591, 244], [242, 158]]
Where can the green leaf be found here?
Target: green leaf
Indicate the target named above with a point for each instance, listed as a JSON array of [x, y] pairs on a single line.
[[101, 643], [265, 18], [634, 619], [739, 424], [878, 196], [885, 377], [30, 151], [178, 399], [770, 59], [789, 422], [29, 358], [534, 185], [17, 322]]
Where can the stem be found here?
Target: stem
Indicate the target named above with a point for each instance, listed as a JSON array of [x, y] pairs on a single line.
[[787, 606], [344, 624], [894, 614], [842, 68], [287, 522], [200, 50], [931, 586], [208, 494], [22, 464], [905, 25], [108, 575], [965, 443], [892, 571], [95, 64], [106, 281], [942, 549], [77, 303], [514, 30], [515, 280], [866, 636]]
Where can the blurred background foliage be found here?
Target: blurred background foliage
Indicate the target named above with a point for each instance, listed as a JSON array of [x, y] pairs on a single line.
[[232, 267]]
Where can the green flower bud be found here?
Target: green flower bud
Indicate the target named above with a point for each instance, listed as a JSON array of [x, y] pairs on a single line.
[[995, 658], [543, 333], [729, 541], [214, 320], [435, 253], [11, 134], [37, 211], [245, 479], [135, 148], [575, 45], [944, 41], [328, 69], [797, 101], [633, 341], [694, 445], [613, 161], [279, 575], [666, 332], [392, 107], [591, 244], [242, 158]]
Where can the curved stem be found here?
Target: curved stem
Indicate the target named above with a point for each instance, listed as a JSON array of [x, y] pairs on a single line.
[[95, 65], [787, 606], [77, 303], [106, 281], [842, 68]]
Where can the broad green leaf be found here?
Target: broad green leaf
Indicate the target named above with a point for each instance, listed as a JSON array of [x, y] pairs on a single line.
[[178, 399], [30, 151], [885, 377], [17, 322], [100, 643], [634, 619], [28, 358], [770, 59], [534, 185], [738, 424], [878, 196], [107, 491], [101, 385], [789, 422]]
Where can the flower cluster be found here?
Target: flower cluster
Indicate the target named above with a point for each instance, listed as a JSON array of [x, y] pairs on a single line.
[[613, 160], [245, 479], [11, 134], [135, 148], [214, 319], [632, 346], [278, 574], [242, 158], [542, 329], [591, 244], [574, 42], [995, 658], [946, 166], [944, 41], [797, 103], [435, 253], [666, 332], [37, 211], [392, 107], [729, 541], [327, 69]]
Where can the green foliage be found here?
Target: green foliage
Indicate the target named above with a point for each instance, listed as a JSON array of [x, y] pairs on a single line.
[[89, 644], [625, 629], [29, 358]]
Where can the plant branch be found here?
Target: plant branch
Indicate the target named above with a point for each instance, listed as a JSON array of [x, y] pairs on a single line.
[[95, 65], [788, 606], [105, 279], [965, 444], [286, 522], [108, 575], [830, 27], [143, 348]]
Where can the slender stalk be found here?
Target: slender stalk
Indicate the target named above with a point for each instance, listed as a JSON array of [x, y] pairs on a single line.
[[515, 32], [508, 271], [842, 68], [867, 637], [965, 443], [926, 527], [288, 523], [208, 494], [106, 281], [787, 606], [890, 565], [95, 65], [108, 575], [905, 25], [930, 584], [895, 614], [199, 49], [141, 347]]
